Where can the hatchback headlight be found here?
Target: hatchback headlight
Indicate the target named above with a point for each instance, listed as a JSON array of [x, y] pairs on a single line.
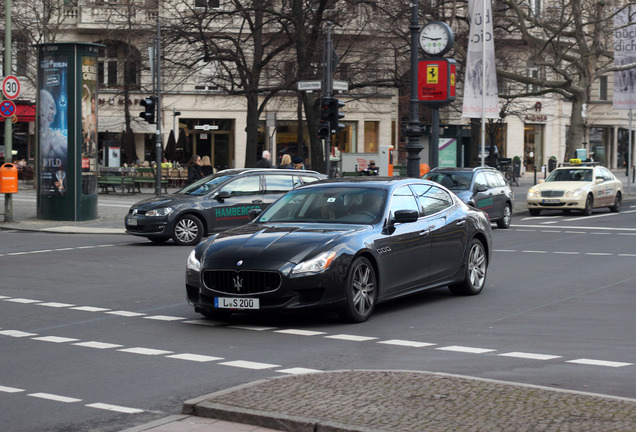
[[159, 212], [315, 265], [193, 263]]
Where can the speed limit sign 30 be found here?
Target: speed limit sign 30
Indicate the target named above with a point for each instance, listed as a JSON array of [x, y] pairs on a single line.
[[11, 87]]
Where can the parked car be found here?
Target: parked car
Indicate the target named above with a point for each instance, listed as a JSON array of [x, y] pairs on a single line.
[[214, 203], [482, 187], [345, 244], [579, 186]]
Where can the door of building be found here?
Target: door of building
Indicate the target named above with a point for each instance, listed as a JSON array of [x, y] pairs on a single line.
[[533, 146]]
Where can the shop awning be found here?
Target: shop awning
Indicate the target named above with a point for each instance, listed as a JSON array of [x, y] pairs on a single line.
[[25, 112]]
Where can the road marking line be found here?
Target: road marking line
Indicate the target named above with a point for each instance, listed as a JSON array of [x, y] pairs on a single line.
[[530, 356], [575, 232], [249, 364], [4, 297], [194, 357], [90, 309], [298, 371], [464, 349], [97, 345], [53, 397], [55, 339], [598, 253], [534, 251], [56, 305], [164, 318], [351, 338], [591, 362], [23, 300], [145, 351], [126, 313], [567, 253], [627, 255], [300, 332], [120, 409], [16, 333], [406, 343], [10, 389]]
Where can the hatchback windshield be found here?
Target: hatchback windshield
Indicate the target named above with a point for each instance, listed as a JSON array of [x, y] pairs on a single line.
[[451, 180], [204, 186], [320, 205]]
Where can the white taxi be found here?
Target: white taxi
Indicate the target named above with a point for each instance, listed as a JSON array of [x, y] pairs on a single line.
[[576, 186]]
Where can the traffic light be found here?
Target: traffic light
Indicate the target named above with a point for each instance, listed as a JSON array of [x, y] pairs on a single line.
[[149, 114], [323, 129], [330, 113]]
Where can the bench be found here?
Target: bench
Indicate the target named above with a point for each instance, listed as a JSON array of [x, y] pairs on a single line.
[[146, 177], [111, 178]]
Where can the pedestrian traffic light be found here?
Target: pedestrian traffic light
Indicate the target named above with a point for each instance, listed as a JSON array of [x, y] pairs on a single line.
[[330, 113], [149, 113]]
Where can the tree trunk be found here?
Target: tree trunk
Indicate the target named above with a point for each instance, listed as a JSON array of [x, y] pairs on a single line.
[[576, 134], [251, 147]]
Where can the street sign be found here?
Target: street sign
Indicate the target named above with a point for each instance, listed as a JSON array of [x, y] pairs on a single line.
[[309, 85], [11, 87], [7, 109], [340, 85]]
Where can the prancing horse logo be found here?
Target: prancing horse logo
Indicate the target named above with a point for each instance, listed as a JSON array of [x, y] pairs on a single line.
[[238, 282]]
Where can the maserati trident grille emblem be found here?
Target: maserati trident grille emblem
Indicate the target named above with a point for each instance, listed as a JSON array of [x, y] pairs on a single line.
[[238, 282]]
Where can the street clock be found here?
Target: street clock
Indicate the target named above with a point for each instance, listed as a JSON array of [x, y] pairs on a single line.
[[436, 38]]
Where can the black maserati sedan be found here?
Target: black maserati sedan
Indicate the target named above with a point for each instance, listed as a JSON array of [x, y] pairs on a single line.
[[344, 244]]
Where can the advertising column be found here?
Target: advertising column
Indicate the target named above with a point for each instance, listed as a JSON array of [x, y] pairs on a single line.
[[67, 131]]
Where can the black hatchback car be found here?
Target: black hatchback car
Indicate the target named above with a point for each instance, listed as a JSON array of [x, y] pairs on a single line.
[[212, 204], [482, 187]]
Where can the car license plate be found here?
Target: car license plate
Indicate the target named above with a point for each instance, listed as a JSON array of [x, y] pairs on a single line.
[[236, 303], [132, 222], [551, 201]]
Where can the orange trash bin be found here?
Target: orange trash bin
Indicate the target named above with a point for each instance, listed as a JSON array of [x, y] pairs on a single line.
[[8, 178]]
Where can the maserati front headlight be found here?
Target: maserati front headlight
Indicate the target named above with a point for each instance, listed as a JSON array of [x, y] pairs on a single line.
[[316, 264], [193, 263]]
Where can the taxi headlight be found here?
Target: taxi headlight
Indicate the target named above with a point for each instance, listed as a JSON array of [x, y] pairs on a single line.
[[193, 263], [315, 265], [576, 193], [159, 212], [533, 193]]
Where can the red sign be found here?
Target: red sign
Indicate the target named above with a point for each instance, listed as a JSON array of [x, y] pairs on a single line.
[[436, 81], [11, 87]]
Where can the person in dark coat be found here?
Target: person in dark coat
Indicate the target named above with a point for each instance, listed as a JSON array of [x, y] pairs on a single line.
[[298, 162], [286, 162], [206, 166], [194, 169], [265, 161]]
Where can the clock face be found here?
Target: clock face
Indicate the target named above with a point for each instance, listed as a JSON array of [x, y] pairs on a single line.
[[436, 38]]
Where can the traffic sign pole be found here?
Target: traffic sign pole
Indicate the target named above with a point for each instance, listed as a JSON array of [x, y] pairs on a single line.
[[8, 126]]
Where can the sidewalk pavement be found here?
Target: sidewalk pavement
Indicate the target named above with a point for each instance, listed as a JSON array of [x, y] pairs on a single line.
[[356, 400]]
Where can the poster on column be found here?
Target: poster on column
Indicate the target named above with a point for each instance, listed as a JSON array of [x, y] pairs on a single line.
[[89, 125], [53, 123], [625, 54]]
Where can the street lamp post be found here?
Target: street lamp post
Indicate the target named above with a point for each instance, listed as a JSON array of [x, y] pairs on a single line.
[[414, 131]]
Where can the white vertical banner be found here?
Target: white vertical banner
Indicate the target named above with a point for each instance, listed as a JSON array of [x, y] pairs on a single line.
[[481, 98], [625, 53]]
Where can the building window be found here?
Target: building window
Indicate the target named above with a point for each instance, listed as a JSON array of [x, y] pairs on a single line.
[[533, 73], [207, 4], [602, 94], [119, 64], [371, 133], [535, 7]]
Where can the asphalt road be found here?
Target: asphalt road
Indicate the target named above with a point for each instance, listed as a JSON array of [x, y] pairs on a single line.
[[95, 333]]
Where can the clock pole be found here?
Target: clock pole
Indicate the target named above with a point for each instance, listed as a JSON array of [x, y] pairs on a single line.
[[414, 131]]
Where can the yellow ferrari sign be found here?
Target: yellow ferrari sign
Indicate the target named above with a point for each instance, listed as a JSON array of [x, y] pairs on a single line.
[[432, 74]]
